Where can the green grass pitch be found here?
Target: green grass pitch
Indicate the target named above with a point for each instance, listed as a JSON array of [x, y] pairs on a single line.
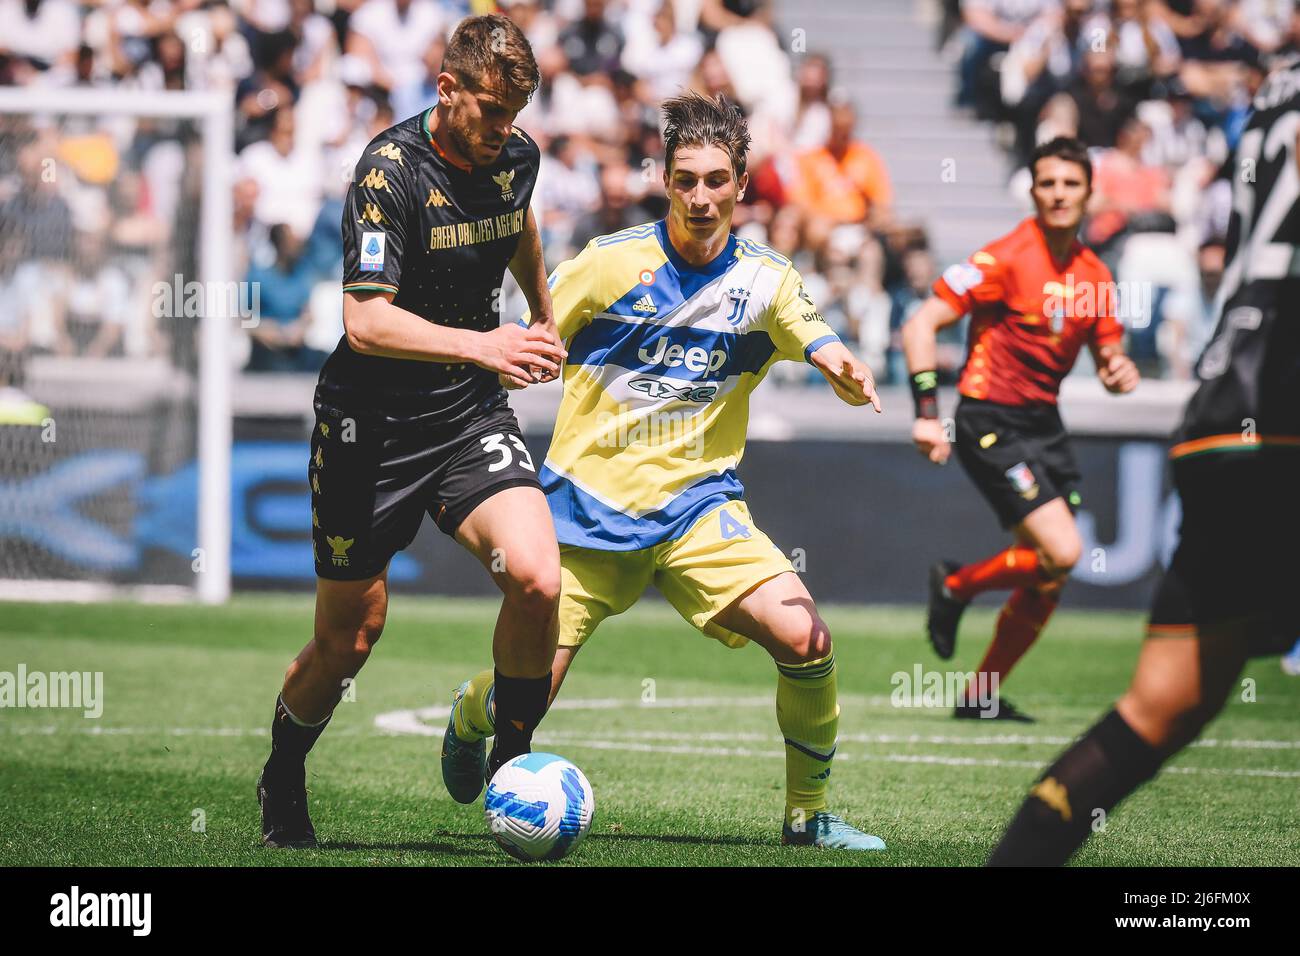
[[694, 778]]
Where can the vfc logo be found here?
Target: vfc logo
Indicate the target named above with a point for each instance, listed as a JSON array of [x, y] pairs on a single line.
[[339, 545], [505, 179]]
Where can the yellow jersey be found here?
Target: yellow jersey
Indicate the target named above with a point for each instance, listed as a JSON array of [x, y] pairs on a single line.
[[662, 358]]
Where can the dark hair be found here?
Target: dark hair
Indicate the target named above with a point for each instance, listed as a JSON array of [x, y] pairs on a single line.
[[693, 119], [1068, 148], [491, 48]]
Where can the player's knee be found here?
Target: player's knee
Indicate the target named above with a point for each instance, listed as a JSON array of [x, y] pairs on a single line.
[[807, 640], [535, 588], [346, 647], [1061, 555]]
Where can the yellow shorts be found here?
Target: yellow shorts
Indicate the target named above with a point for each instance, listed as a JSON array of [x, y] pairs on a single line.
[[718, 559]]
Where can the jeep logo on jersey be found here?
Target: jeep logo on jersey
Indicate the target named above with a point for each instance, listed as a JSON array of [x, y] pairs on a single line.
[[658, 388], [693, 359]]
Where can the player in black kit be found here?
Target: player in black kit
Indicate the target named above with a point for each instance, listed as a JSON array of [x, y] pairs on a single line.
[[411, 416], [1229, 592]]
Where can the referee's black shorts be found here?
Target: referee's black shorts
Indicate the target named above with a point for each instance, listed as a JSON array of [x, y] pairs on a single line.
[[1238, 554], [373, 481], [1018, 456]]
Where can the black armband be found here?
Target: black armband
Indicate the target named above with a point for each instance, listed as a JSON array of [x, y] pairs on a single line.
[[925, 393]]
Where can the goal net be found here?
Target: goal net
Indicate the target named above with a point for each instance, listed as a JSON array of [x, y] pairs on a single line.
[[115, 263]]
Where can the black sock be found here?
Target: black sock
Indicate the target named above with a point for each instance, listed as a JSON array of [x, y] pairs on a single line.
[[1099, 771], [290, 741], [520, 706]]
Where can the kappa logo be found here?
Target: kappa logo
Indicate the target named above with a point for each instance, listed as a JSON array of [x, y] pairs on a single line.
[[371, 214], [658, 388], [389, 151], [436, 199], [645, 304], [505, 179], [339, 545], [1053, 793], [375, 179]]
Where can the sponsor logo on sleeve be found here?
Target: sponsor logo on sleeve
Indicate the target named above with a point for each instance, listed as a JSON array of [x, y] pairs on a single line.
[[962, 277], [372, 251]]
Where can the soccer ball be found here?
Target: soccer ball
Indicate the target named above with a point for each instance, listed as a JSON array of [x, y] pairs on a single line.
[[539, 807]]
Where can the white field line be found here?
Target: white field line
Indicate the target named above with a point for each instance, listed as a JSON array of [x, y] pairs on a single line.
[[428, 721]]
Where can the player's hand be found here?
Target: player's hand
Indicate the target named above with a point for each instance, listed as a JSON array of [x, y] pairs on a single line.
[[1119, 374], [522, 355], [928, 436], [546, 322], [849, 376]]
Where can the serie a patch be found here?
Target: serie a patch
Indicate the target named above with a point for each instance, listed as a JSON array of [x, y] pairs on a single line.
[[372, 251]]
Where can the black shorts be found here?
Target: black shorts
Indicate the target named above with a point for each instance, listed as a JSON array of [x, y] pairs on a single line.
[[373, 481], [1018, 456], [1238, 554]]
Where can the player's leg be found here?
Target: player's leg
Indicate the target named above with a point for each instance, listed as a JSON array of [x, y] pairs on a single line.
[[780, 616], [349, 620], [729, 580], [1048, 540], [511, 533], [593, 586], [1180, 684], [355, 532], [1004, 466]]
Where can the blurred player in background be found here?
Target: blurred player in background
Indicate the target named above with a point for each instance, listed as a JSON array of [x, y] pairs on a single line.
[[1035, 297], [411, 417], [1230, 591], [670, 325]]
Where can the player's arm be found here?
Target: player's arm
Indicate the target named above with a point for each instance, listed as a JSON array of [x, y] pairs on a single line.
[[375, 326], [572, 290], [799, 332], [529, 270], [1116, 370], [920, 347]]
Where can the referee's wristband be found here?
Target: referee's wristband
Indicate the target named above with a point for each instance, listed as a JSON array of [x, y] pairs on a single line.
[[925, 393]]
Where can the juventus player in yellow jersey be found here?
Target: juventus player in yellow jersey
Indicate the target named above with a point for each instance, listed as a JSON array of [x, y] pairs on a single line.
[[669, 326]]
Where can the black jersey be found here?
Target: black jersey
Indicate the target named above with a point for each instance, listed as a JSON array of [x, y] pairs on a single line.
[[439, 236], [1250, 371]]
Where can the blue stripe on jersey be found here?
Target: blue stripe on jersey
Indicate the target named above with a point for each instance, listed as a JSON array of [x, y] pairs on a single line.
[[815, 344], [623, 235], [643, 347], [753, 247], [583, 521]]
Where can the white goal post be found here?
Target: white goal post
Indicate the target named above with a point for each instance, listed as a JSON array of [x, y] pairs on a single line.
[[212, 116]]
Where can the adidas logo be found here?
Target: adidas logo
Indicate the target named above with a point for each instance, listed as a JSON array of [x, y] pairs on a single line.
[[645, 304]]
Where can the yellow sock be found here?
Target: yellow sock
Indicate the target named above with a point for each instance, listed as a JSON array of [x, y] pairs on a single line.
[[474, 713], [808, 715]]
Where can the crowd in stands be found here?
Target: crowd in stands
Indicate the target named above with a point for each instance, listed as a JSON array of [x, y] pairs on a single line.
[[314, 80], [94, 212], [1160, 90]]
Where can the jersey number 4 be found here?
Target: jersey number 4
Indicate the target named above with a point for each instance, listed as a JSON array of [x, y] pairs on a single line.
[[496, 443]]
